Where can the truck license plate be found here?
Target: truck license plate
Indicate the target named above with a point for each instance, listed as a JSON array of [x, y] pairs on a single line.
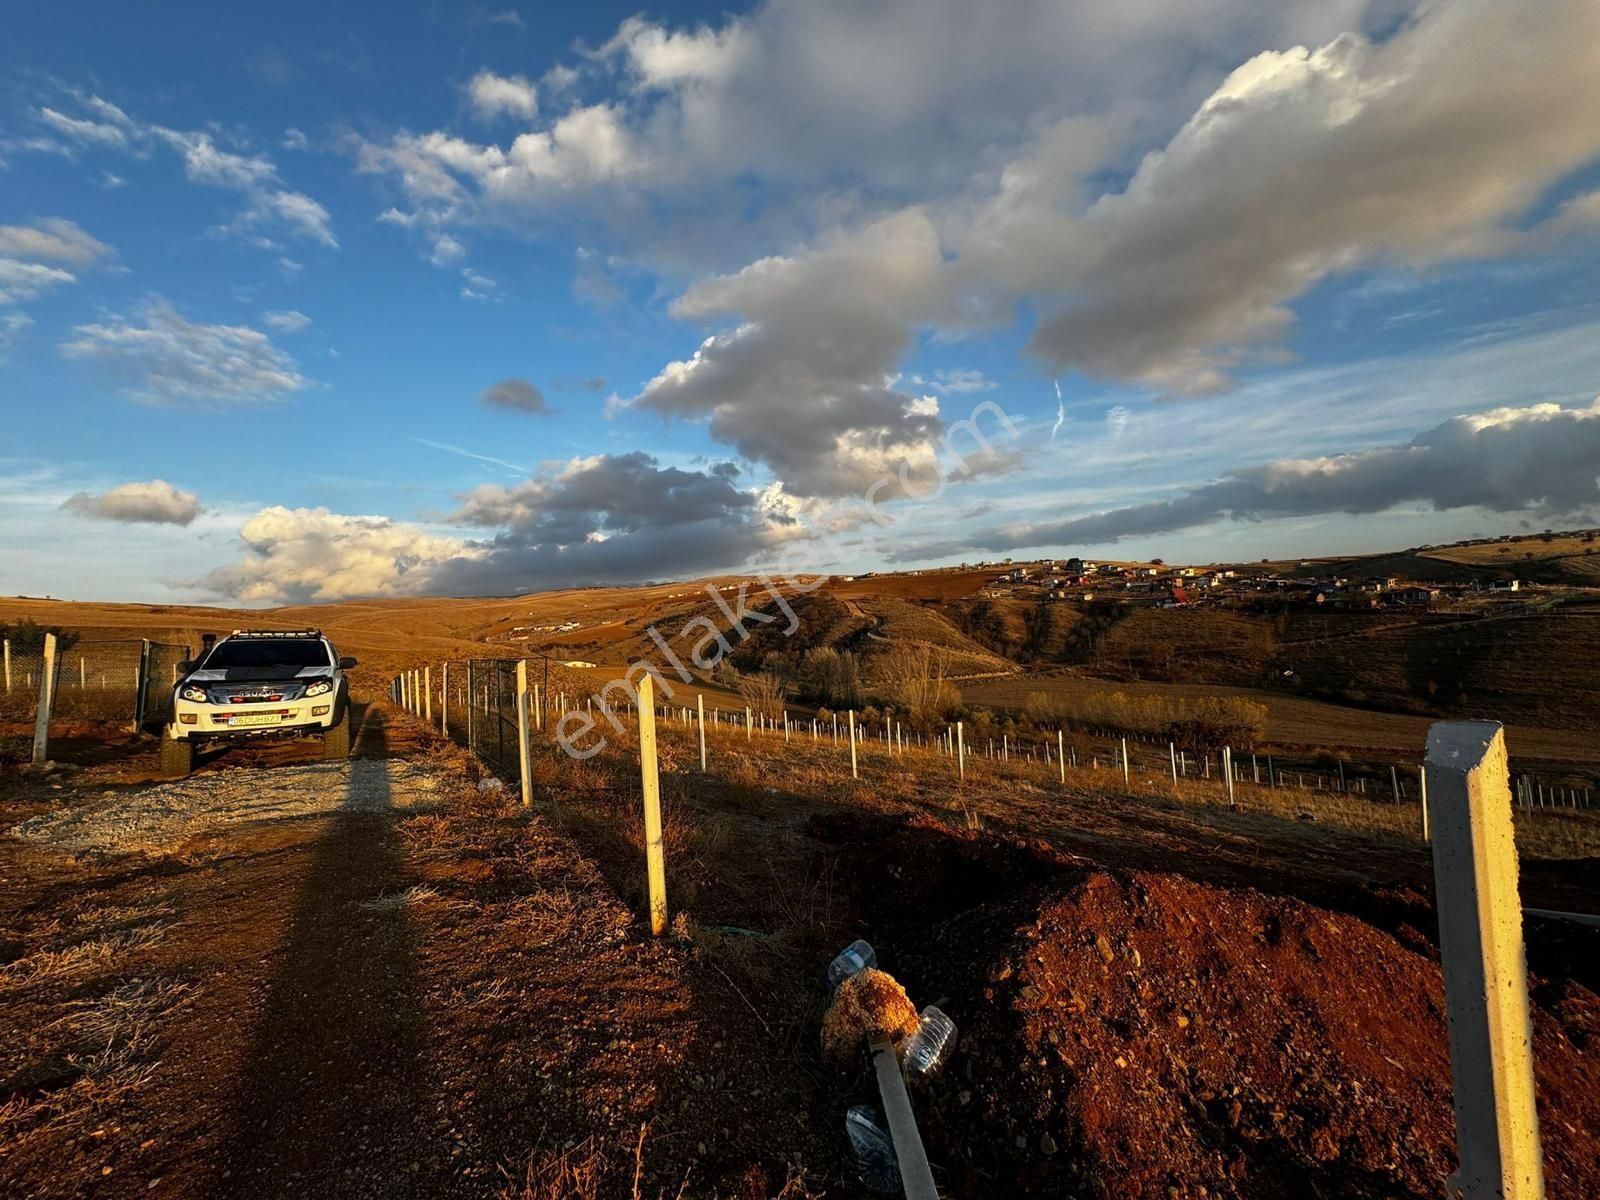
[[256, 719]]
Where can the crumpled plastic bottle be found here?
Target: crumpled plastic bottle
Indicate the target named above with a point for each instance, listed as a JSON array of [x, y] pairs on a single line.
[[874, 1149], [857, 956], [929, 1047]]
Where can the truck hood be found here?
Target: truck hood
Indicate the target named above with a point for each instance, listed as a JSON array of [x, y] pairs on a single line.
[[259, 674]]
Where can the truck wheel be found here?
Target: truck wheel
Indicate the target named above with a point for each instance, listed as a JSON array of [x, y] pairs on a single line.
[[177, 758], [336, 741]]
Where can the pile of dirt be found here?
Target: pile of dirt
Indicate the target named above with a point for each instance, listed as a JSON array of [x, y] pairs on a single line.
[[1142, 1035]]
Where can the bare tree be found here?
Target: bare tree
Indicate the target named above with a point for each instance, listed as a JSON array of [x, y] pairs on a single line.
[[764, 692], [915, 676]]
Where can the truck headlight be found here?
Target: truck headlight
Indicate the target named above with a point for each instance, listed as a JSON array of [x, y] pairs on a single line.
[[198, 695], [319, 688]]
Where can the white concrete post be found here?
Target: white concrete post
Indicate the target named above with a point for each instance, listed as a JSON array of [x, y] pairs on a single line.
[[524, 759], [427, 693], [7, 644], [1061, 754], [961, 751], [141, 684], [655, 862], [47, 699], [1422, 789], [444, 698], [1485, 972], [700, 705], [1227, 769], [1172, 753], [747, 723], [854, 773]]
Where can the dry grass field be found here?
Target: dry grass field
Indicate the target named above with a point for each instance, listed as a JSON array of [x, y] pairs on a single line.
[[387, 977]]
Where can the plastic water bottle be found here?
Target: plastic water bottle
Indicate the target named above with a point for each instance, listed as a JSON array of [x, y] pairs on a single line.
[[855, 957], [929, 1047], [874, 1149]]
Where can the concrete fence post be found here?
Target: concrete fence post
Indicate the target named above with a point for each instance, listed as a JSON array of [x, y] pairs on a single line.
[[650, 784], [961, 751], [141, 685], [1227, 769], [427, 694], [1061, 755], [1485, 972], [700, 706], [1422, 792], [6, 643], [47, 699], [1124, 762], [854, 773], [444, 698], [747, 723], [524, 760]]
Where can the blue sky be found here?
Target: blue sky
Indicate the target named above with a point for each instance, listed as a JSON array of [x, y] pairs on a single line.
[[320, 302]]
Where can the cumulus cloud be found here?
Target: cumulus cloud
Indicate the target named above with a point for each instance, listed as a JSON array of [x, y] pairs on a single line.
[[287, 321], [612, 518], [1541, 458], [494, 96], [304, 555], [164, 358], [605, 519], [1301, 164], [270, 206], [518, 395], [803, 382], [794, 93], [155, 502], [12, 328]]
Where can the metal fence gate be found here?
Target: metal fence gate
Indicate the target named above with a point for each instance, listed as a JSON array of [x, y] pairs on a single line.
[[102, 680], [492, 712]]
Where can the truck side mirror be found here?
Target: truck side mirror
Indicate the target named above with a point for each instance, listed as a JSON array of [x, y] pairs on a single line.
[[346, 663]]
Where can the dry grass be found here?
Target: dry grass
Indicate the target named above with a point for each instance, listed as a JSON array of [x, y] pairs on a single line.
[[395, 901]]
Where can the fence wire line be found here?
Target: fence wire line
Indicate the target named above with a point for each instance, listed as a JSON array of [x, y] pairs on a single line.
[[474, 703]]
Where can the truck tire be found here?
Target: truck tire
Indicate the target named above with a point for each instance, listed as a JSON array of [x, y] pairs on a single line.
[[177, 758], [336, 741]]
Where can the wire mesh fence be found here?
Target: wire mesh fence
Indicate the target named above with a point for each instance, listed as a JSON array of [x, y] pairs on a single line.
[[125, 680]]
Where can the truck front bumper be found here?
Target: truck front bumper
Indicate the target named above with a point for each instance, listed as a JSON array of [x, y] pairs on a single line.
[[193, 720]]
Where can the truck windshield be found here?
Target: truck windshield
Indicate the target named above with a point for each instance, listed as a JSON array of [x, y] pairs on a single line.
[[267, 652]]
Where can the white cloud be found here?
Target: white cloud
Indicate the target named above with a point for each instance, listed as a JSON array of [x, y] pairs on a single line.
[[28, 254], [51, 239], [12, 328], [24, 280], [302, 555], [446, 251], [1542, 458], [478, 286], [662, 58], [288, 321], [155, 502], [1303, 163], [295, 139], [804, 382], [269, 205], [494, 96], [163, 358]]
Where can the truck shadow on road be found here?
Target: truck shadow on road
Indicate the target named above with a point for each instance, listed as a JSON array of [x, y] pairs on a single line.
[[334, 1098]]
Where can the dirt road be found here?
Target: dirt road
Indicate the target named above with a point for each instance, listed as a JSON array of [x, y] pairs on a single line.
[[360, 979]]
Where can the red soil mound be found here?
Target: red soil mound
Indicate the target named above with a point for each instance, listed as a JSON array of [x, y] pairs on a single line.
[[1137, 1035]]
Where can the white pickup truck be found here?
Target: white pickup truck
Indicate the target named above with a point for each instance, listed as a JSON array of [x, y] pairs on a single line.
[[258, 683]]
